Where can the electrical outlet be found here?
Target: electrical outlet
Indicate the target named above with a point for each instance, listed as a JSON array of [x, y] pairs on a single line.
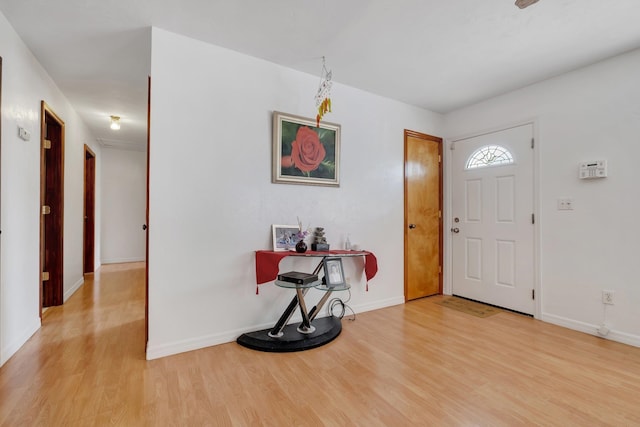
[[607, 297]]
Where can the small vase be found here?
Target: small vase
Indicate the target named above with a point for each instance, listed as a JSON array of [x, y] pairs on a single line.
[[301, 247]]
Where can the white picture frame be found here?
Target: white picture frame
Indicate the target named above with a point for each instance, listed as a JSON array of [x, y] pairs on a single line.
[[305, 152], [284, 237], [333, 272]]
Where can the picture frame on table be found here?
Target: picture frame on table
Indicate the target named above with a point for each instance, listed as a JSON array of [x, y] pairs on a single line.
[[333, 272], [284, 237], [304, 153]]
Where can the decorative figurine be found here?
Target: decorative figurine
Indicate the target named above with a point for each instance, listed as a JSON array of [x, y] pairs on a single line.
[[319, 241]]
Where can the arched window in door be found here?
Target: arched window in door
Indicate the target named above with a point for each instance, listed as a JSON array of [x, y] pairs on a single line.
[[489, 155]]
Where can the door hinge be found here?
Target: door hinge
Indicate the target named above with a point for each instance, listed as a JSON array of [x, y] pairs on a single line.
[[533, 218], [440, 214], [45, 276], [439, 158], [46, 144], [46, 210], [533, 294], [533, 143], [440, 269]]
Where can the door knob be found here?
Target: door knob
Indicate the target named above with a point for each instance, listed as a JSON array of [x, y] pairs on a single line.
[[412, 226], [144, 227], [455, 230]]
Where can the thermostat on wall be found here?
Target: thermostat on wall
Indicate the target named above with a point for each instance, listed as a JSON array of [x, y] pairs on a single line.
[[595, 169]]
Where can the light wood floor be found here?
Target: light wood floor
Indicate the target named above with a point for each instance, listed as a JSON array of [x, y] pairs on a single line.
[[414, 364]]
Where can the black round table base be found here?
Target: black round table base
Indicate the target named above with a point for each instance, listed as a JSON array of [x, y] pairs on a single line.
[[327, 329]]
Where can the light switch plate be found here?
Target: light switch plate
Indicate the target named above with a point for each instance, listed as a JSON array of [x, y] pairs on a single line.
[[24, 134], [565, 204]]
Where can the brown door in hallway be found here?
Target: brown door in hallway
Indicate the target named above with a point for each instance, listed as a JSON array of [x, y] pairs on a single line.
[[422, 215], [52, 206], [89, 209]]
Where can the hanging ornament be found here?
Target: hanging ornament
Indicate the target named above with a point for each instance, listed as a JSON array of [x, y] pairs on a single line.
[[323, 96]]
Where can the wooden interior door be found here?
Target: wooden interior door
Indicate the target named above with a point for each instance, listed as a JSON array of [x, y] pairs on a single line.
[[423, 215], [89, 210], [52, 207]]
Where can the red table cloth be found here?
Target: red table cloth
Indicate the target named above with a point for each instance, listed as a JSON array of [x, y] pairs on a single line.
[[267, 263]]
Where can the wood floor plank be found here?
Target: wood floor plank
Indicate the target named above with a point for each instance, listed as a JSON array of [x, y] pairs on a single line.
[[412, 364]]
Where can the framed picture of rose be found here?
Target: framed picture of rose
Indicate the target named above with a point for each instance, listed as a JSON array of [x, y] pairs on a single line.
[[304, 153]]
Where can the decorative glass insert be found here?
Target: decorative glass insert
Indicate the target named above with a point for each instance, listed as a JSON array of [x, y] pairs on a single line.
[[490, 155]]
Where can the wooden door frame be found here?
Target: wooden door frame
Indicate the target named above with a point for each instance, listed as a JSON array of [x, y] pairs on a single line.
[[88, 238], [439, 141], [44, 111]]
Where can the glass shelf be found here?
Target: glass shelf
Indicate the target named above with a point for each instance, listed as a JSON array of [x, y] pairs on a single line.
[[325, 288], [291, 285], [317, 284]]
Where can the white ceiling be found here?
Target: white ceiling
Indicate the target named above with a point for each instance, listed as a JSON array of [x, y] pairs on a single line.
[[436, 54]]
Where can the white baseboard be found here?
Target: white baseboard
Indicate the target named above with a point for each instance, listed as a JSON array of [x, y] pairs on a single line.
[[122, 260], [379, 304], [587, 328], [17, 344], [169, 349], [182, 346], [73, 289]]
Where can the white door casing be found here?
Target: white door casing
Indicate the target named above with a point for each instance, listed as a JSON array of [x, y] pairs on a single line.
[[493, 239]]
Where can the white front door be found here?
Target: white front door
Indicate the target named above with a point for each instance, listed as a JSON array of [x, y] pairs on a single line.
[[492, 226]]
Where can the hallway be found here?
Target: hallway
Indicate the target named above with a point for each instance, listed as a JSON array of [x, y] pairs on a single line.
[[78, 369]]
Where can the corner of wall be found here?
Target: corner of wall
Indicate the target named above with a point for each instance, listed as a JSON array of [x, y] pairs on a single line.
[[73, 289]]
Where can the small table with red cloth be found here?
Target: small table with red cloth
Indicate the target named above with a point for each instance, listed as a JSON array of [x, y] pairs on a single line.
[[287, 338]]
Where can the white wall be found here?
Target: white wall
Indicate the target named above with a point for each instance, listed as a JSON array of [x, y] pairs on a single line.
[[24, 85], [124, 204], [589, 114], [212, 201]]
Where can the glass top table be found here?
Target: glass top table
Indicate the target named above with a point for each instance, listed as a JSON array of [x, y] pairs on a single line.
[[316, 284], [314, 330], [313, 254]]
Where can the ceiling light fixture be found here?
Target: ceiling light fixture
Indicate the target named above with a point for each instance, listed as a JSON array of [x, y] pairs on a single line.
[[525, 3], [115, 122]]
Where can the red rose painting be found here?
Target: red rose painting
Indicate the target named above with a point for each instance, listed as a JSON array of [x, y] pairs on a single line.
[[305, 153]]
